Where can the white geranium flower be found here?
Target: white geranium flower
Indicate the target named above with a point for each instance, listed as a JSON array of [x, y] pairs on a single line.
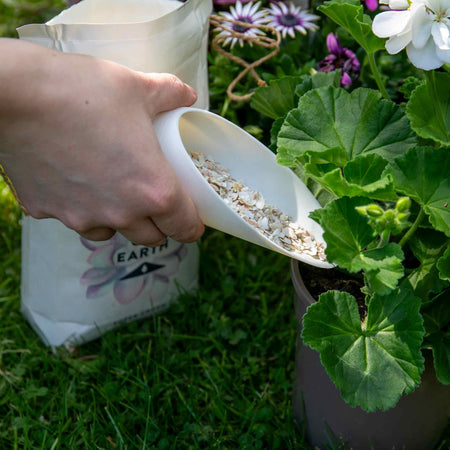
[[430, 46], [395, 25], [420, 26]]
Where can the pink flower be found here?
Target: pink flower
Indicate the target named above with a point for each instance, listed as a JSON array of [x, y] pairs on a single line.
[[124, 269]]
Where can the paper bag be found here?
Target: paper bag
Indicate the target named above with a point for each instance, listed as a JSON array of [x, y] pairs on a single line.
[[73, 290]]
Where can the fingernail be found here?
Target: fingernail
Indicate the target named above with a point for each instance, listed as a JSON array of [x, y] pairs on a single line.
[[193, 93]]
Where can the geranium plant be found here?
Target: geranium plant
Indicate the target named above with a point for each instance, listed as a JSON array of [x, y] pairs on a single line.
[[381, 169]]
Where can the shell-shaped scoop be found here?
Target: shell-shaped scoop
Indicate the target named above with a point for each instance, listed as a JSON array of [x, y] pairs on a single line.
[[186, 130]]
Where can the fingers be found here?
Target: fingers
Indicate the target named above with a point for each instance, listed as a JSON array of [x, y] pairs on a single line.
[[144, 232], [177, 217], [98, 234], [166, 92]]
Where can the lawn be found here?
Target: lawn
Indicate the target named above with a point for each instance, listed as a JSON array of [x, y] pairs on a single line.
[[214, 371]]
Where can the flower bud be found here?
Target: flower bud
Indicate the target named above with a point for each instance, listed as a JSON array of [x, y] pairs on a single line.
[[403, 204], [374, 210]]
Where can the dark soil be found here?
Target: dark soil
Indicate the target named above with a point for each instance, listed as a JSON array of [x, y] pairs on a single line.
[[318, 281]]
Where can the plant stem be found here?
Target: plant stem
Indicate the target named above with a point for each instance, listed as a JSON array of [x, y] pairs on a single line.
[[412, 230], [225, 105], [384, 238], [377, 76]]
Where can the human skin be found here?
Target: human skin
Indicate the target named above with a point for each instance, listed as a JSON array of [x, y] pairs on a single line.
[[78, 145]]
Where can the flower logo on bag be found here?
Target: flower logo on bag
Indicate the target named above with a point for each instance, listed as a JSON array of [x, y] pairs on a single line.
[[127, 269]]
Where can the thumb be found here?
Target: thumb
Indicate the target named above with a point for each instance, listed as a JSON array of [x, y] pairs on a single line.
[[165, 92]]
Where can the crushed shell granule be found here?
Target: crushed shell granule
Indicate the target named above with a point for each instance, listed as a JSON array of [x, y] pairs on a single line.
[[253, 208]]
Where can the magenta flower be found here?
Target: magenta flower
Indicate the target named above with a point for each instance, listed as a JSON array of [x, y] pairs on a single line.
[[290, 19], [125, 270], [371, 5], [340, 58]]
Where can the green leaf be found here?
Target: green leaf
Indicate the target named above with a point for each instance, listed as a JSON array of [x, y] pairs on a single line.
[[359, 123], [428, 246], [277, 99], [372, 364], [318, 80], [423, 174], [282, 94], [436, 320], [383, 267], [350, 15], [443, 265], [346, 232], [276, 126], [429, 108], [408, 86], [363, 176]]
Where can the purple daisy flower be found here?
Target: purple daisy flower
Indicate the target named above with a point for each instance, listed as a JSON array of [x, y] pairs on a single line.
[[249, 13], [340, 58], [289, 19]]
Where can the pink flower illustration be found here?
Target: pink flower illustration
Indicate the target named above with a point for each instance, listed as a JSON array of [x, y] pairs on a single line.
[[126, 269]]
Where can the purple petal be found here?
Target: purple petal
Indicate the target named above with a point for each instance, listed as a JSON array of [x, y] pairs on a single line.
[[92, 245], [181, 252], [102, 256], [346, 80], [161, 278], [372, 5], [98, 290], [333, 44], [96, 276], [128, 290]]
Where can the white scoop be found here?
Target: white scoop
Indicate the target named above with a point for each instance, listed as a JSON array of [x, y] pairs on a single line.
[[247, 160]]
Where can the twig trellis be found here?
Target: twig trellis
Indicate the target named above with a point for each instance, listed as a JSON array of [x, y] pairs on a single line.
[[249, 68]]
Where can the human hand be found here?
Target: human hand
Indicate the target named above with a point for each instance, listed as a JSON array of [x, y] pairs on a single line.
[[77, 142]]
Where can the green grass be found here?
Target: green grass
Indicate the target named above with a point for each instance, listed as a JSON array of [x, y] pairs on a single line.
[[214, 371]]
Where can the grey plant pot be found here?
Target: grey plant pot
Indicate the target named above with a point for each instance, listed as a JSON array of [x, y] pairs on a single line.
[[416, 423]]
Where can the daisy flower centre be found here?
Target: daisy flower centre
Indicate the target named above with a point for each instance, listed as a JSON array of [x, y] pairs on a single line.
[[289, 20], [241, 28]]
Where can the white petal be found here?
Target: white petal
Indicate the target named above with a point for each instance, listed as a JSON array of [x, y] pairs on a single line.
[[276, 9], [398, 4], [238, 8], [441, 35], [424, 58], [390, 23], [421, 27], [246, 9], [443, 54], [284, 8], [397, 43]]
